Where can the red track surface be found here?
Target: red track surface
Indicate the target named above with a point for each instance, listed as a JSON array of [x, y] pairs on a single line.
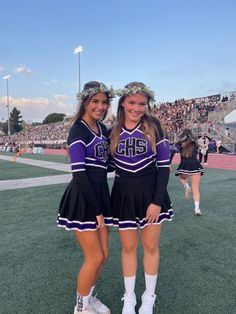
[[48, 151], [219, 161]]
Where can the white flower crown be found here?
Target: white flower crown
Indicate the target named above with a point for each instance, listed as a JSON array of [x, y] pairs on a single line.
[[95, 90], [134, 90]]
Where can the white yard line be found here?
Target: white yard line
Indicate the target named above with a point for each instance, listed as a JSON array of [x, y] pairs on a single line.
[[40, 163], [38, 181], [32, 182]]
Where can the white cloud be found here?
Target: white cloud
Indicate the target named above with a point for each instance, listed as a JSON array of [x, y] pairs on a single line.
[[61, 97], [22, 69], [36, 109], [51, 82]]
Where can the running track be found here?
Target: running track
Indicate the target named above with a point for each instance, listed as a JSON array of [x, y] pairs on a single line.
[[219, 161]]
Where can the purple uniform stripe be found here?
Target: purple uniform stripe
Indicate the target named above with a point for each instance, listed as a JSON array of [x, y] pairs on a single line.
[[76, 224], [142, 223]]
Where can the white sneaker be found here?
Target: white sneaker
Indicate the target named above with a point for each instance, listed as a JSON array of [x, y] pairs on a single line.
[[88, 310], [147, 303], [129, 303], [197, 212], [187, 193], [98, 306], [205, 164]]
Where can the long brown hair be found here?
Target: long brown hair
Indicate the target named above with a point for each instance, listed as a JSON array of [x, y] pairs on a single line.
[[187, 142], [150, 125], [85, 97]]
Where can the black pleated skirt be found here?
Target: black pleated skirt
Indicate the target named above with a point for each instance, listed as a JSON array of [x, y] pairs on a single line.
[[75, 213], [189, 166], [130, 199]]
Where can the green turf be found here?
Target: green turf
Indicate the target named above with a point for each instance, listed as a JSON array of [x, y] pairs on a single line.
[[39, 262], [54, 158], [14, 170]]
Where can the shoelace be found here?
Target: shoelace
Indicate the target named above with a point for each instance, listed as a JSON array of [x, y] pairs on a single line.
[[129, 300], [150, 299]]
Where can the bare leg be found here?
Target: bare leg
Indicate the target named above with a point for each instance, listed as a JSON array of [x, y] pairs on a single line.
[[195, 186], [129, 241], [150, 239], [184, 182], [150, 236], [196, 194], [103, 234], [93, 259]]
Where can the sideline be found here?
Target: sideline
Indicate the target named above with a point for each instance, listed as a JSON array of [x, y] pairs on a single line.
[[39, 181], [33, 182], [39, 163]]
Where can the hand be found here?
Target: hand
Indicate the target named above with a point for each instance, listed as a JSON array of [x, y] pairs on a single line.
[[153, 212], [100, 221], [171, 168]]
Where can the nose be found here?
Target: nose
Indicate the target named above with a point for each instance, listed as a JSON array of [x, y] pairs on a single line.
[[100, 105], [137, 107]]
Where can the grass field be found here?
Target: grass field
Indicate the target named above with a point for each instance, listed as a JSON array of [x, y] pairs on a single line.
[[12, 171], [54, 158], [39, 262]]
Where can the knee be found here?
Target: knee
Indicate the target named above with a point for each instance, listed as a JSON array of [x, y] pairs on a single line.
[[129, 249], [97, 259], [150, 248]]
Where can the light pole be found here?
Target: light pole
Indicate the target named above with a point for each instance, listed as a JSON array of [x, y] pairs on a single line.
[[7, 78], [77, 51]]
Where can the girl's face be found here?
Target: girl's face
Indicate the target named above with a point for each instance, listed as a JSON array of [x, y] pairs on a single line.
[[135, 107], [96, 107]]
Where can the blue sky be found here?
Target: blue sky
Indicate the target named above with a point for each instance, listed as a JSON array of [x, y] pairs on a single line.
[[179, 48]]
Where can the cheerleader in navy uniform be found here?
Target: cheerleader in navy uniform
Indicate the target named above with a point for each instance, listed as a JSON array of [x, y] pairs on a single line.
[[85, 206], [140, 156], [189, 166]]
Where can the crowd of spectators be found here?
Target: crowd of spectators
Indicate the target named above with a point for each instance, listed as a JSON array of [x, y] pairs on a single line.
[[43, 134], [174, 116]]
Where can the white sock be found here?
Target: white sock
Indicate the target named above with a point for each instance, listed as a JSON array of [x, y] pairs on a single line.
[[186, 186], [91, 291], [81, 302], [129, 284], [196, 205], [150, 281]]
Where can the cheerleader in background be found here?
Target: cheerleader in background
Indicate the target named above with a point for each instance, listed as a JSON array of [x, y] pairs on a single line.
[[189, 166]]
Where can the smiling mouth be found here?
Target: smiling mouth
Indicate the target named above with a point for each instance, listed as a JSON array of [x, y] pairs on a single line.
[[135, 114]]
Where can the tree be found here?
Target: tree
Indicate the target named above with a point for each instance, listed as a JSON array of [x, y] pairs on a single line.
[[36, 123], [4, 127], [54, 117], [15, 121]]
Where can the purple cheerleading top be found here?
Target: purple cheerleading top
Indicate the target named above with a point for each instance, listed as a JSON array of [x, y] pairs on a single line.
[[87, 149], [134, 153]]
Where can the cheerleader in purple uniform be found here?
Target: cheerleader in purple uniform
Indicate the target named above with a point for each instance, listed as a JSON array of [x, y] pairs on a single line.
[[189, 166], [140, 156], [85, 206]]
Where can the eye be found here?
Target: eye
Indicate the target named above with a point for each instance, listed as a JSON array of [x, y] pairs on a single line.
[[131, 102]]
